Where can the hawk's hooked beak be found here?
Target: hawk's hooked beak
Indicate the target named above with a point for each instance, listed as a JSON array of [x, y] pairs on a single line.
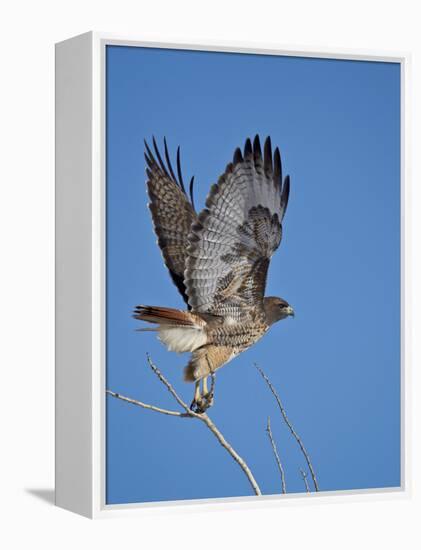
[[290, 311]]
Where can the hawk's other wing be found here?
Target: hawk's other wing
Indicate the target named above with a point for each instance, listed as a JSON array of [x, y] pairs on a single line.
[[172, 212], [236, 234]]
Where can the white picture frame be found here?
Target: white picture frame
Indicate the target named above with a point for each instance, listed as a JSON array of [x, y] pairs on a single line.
[[80, 275]]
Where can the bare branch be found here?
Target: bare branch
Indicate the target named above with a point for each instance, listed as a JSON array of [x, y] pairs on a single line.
[[144, 405], [304, 476], [275, 452], [290, 426], [240, 461], [168, 386], [191, 414]]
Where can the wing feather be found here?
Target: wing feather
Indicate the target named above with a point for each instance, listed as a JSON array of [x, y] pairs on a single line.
[[172, 212], [234, 237]]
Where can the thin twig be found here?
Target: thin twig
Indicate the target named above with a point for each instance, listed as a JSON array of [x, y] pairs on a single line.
[[304, 476], [278, 460], [144, 405], [290, 426], [191, 414], [168, 385]]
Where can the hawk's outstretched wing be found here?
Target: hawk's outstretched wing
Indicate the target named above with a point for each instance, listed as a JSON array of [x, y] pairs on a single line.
[[172, 212], [236, 234]]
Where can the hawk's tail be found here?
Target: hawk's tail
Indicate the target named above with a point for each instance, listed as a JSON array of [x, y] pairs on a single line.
[[164, 316], [179, 330]]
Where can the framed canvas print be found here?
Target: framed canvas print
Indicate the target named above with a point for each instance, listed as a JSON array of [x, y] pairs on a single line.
[[230, 308]]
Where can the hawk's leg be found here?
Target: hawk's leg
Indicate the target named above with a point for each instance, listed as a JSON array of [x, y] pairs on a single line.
[[207, 395], [204, 386], [203, 398]]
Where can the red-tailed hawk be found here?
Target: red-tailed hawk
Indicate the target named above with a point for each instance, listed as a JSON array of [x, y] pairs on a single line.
[[218, 259]]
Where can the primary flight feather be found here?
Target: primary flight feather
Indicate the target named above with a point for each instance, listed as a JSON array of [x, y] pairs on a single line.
[[218, 259]]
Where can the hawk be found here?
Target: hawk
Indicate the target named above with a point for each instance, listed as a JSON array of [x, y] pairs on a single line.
[[218, 259]]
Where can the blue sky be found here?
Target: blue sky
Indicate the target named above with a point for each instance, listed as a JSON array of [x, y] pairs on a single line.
[[337, 364]]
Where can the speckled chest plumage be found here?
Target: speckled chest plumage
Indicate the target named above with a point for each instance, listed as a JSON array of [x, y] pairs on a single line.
[[238, 335]]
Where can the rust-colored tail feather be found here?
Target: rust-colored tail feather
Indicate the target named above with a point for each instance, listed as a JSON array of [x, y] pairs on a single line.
[[163, 316]]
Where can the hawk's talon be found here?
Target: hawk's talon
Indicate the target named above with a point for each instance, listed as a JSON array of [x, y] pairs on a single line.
[[193, 406], [208, 399], [197, 407], [200, 405]]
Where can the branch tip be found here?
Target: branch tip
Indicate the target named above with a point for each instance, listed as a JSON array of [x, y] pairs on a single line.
[[290, 426]]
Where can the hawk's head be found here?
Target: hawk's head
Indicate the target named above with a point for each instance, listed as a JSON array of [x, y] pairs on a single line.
[[277, 309]]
